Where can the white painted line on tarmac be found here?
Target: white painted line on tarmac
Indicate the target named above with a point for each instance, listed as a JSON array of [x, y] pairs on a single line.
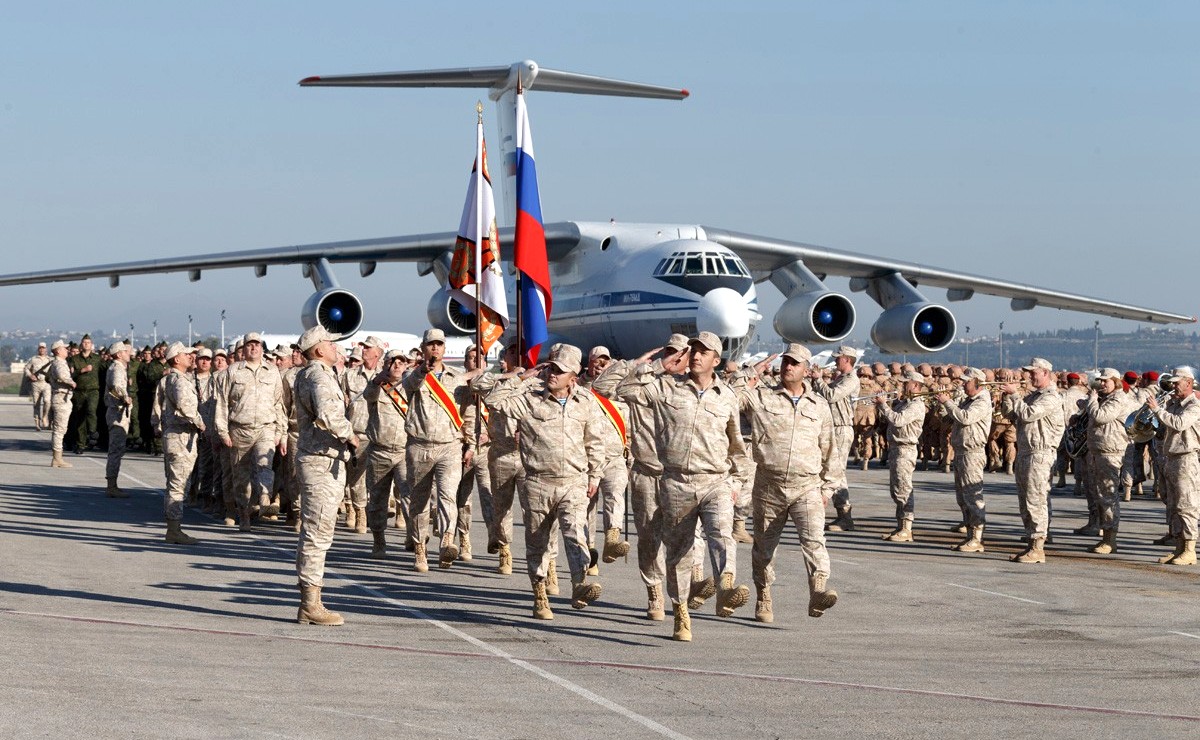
[[995, 593], [1185, 634], [483, 645], [843, 561]]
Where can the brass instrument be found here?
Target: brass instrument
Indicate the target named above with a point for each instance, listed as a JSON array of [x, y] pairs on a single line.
[[1142, 425]]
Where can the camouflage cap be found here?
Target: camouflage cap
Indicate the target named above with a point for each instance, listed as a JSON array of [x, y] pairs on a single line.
[[915, 377], [312, 337], [677, 342], [204, 352], [797, 352], [116, 347], [58, 344], [1038, 363], [973, 373], [373, 341], [567, 357], [178, 348], [599, 351], [433, 335], [708, 340]]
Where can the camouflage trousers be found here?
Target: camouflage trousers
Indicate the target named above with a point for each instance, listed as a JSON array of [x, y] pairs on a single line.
[[222, 472], [609, 500], [179, 458], [477, 475], [250, 463], [504, 475], [968, 485], [117, 435], [387, 471], [60, 417], [548, 501], [684, 499], [1133, 468], [434, 471], [902, 461], [1033, 490], [321, 482], [356, 474], [776, 499], [41, 404], [743, 509], [843, 440], [1104, 478], [647, 520], [1182, 474]]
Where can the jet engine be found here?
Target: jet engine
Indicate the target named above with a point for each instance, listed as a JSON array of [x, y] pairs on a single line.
[[816, 316], [914, 327], [338, 310], [449, 315]]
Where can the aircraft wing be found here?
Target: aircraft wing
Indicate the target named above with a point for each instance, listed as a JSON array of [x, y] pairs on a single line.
[[561, 238], [765, 254]]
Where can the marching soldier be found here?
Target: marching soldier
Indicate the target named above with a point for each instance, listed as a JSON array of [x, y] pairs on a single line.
[[475, 467], [354, 385], [1180, 418], [1106, 445], [1039, 421], [182, 430], [559, 435], [972, 416], [615, 479], [117, 403], [387, 469], [61, 387], [793, 432], [905, 419], [838, 393], [704, 462], [36, 370], [326, 442]]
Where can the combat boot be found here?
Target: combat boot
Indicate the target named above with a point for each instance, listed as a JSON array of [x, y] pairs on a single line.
[[683, 624], [1008, 468], [1127, 492], [863, 464], [493, 546], [730, 597], [505, 556], [360, 520], [613, 546], [420, 562], [762, 605], [739, 532], [961, 527], [399, 522], [820, 597], [175, 535], [112, 491], [903, 532], [59, 462], [1137, 489], [448, 553], [843, 523], [464, 547], [974, 541], [701, 591], [655, 610], [379, 547], [1036, 552], [312, 611], [1092, 528], [1107, 545], [1062, 479], [230, 515], [350, 520], [246, 520], [593, 568], [552, 577], [541, 602], [1187, 554], [584, 593]]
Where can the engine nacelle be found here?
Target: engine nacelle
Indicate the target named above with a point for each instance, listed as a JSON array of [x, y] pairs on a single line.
[[914, 327], [815, 317], [339, 311], [447, 314]]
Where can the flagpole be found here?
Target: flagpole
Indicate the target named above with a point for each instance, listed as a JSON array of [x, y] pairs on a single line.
[[520, 295], [479, 229]]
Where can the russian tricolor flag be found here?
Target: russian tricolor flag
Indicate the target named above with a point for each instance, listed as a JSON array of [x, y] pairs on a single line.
[[529, 245]]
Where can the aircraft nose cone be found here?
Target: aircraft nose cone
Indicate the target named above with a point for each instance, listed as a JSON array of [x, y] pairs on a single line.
[[723, 312]]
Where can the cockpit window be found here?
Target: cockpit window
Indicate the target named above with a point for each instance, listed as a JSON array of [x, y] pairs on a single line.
[[701, 263]]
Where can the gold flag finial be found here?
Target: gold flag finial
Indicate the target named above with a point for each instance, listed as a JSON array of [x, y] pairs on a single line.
[[479, 110]]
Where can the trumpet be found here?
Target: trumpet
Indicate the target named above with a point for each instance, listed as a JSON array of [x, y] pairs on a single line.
[[1142, 425]]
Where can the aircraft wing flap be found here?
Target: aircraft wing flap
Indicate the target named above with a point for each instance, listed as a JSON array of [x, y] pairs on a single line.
[[765, 254]]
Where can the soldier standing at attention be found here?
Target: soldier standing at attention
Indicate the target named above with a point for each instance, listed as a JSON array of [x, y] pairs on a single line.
[[36, 370], [149, 376], [85, 372], [387, 469], [182, 435], [971, 415], [838, 392], [905, 419], [704, 463], [325, 445], [354, 385], [117, 403], [1040, 424], [61, 386]]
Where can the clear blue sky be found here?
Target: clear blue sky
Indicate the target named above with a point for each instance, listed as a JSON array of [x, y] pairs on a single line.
[[1054, 143]]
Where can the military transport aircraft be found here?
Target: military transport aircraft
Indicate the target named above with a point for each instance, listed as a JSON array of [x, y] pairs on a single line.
[[625, 285]]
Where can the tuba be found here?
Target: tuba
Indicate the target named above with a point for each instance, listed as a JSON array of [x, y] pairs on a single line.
[[1142, 425]]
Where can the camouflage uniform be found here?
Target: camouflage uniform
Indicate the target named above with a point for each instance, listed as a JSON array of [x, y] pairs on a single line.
[[179, 418], [1106, 446], [434, 454], [117, 403], [86, 398], [971, 416], [1181, 463], [865, 421], [503, 463], [249, 413], [285, 480], [838, 393], [614, 480], [354, 384], [147, 382], [61, 387], [36, 370], [386, 466], [208, 467], [1039, 420], [905, 419]]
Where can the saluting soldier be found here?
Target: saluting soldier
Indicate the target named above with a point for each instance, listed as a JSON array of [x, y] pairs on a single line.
[[61, 387], [1039, 420], [615, 480], [117, 403]]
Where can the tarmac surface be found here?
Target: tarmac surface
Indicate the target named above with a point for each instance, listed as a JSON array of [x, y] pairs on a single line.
[[110, 632]]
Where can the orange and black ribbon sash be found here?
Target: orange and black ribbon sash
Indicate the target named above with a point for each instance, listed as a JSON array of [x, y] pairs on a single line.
[[614, 415], [397, 400], [444, 399]]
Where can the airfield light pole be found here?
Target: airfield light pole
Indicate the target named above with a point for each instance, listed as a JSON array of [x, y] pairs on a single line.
[[222, 327], [156, 331], [131, 334], [1096, 347], [189, 330], [1002, 345], [967, 347]]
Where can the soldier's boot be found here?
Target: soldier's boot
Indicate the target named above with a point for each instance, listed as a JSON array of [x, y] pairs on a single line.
[[176, 536], [112, 491], [903, 532], [862, 465], [1127, 492], [961, 527], [821, 598], [1062, 478], [739, 532], [762, 605], [974, 541], [379, 546], [420, 561], [945, 467], [1108, 543], [1035, 553], [1137, 489], [593, 568], [360, 520], [541, 602], [1166, 539], [1169, 540], [730, 597], [464, 546], [448, 552], [230, 515], [552, 577], [293, 517], [843, 523], [247, 519], [59, 462], [504, 568], [1187, 554], [655, 609], [1092, 528], [312, 611], [614, 547], [1008, 468], [399, 522], [584, 593], [350, 520], [683, 624], [701, 591]]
